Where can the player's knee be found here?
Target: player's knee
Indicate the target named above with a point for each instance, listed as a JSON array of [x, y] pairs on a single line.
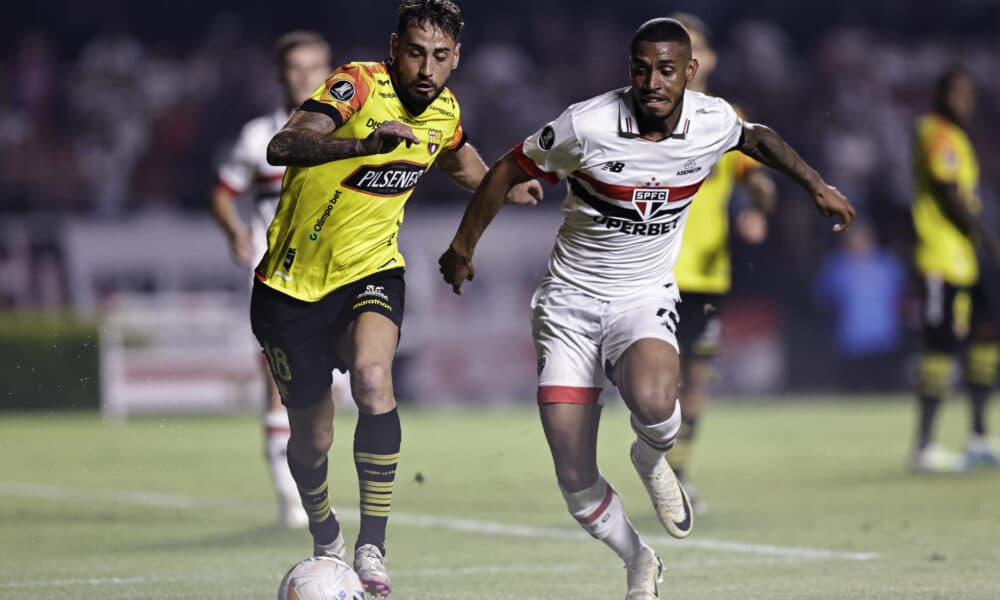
[[653, 398], [371, 385]]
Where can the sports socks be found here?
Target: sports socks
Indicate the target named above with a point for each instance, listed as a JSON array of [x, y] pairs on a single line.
[[935, 377], [680, 454], [981, 377], [276, 433], [376, 452], [312, 486], [656, 439], [600, 512]]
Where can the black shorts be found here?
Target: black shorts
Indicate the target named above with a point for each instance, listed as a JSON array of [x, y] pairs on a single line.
[[299, 338], [700, 324], [947, 315]]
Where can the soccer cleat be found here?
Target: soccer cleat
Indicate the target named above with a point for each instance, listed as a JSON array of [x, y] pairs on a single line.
[[671, 502], [337, 548], [645, 575], [370, 567], [935, 459], [979, 451]]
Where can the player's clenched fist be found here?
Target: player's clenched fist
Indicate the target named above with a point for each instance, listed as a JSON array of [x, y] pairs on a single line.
[[387, 137], [456, 268]]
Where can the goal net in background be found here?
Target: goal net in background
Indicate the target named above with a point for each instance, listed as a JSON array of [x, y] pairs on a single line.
[[183, 352]]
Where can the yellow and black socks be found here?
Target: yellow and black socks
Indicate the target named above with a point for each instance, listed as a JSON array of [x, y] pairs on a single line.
[[680, 454], [935, 379], [376, 453], [981, 378], [312, 484]]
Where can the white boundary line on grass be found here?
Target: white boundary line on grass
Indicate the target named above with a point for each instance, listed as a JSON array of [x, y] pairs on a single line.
[[167, 500]]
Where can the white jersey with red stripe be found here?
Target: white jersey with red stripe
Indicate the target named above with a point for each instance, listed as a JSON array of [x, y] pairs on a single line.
[[245, 170], [627, 196]]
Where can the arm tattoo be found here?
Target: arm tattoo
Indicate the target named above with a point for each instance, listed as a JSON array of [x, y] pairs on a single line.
[[305, 148], [764, 145]]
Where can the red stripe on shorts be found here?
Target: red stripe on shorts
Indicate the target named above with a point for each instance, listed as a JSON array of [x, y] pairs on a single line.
[[563, 394]]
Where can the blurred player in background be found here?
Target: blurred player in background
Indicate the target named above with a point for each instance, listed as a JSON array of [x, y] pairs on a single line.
[[703, 267], [303, 60], [957, 300], [330, 289], [633, 160]]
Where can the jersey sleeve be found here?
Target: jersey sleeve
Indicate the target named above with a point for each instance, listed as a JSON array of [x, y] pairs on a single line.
[[553, 152], [942, 156], [458, 139], [238, 167], [730, 126], [341, 95]]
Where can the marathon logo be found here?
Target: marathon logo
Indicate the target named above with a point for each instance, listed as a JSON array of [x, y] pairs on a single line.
[[632, 228], [390, 179], [647, 201]]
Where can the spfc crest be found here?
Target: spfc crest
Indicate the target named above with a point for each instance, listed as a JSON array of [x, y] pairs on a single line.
[[647, 201]]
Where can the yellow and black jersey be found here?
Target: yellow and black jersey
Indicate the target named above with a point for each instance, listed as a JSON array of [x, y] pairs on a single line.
[[703, 265], [337, 222], [943, 154]]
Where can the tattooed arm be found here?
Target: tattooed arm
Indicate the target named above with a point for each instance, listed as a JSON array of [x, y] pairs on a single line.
[[764, 145], [305, 141]]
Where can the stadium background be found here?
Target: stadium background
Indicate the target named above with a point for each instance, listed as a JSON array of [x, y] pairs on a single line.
[[112, 116]]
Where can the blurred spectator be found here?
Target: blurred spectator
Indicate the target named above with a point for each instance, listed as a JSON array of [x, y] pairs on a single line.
[[862, 284]]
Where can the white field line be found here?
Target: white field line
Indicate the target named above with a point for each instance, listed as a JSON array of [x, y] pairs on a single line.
[[476, 526]]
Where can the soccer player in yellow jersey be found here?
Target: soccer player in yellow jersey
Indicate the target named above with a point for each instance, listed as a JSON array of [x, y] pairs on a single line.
[[303, 59], [330, 290], [703, 268], [957, 304]]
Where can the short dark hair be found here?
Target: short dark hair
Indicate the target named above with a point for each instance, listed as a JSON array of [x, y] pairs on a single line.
[[662, 29], [299, 37], [444, 14], [943, 85]]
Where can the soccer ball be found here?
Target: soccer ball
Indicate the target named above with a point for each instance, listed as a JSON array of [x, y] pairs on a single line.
[[321, 578]]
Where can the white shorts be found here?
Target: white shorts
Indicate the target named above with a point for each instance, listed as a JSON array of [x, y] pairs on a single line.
[[579, 338]]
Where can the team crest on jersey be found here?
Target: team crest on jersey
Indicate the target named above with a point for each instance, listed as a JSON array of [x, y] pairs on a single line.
[[434, 140], [547, 138], [648, 201], [342, 91]]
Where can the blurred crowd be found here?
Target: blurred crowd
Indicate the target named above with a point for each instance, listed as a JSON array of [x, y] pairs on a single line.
[[116, 126]]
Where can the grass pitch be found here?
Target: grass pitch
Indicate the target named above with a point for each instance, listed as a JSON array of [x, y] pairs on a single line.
[[807, 499]]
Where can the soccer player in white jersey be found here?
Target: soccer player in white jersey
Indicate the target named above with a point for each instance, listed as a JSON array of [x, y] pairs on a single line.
[[303, 59], [633, 160]]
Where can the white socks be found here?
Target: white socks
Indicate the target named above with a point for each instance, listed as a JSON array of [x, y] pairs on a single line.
[[599, 511], [276, 448], [653, 440]]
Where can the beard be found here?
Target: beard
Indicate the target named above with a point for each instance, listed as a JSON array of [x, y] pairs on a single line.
[[414, 102]]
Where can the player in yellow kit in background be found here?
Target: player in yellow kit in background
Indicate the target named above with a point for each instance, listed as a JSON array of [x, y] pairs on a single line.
[[958, 311], [330, 290], [703, 268]]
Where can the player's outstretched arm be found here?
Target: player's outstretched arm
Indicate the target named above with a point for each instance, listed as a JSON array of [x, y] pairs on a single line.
[[466, 168], [456, 262], [305, 141], [763, 144]]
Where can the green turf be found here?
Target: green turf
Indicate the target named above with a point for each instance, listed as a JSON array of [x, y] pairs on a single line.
[[181, 508]]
